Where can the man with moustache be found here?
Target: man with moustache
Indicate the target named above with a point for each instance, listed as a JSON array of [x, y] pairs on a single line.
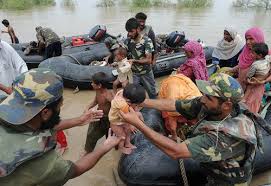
[[29, 119], [140, 52], [226, 136]]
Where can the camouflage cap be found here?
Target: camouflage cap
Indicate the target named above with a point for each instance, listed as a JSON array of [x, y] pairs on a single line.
[[32, 92], [223, 86]]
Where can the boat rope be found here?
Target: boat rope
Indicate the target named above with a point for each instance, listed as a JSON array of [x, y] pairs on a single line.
[[182, 168], [76, 60]]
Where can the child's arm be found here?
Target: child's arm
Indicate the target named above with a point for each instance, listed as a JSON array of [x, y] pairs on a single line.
[[126, 68], [251, 72]]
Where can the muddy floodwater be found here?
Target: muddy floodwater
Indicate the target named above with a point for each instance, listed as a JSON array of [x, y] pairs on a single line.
[[78, 18]]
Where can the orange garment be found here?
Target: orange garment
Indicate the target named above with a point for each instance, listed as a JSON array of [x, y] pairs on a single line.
[[177, 87], [117, 104]]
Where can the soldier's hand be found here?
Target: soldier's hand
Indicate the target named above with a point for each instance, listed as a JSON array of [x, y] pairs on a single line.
[[131, 117], [90, 116], [112, 139]]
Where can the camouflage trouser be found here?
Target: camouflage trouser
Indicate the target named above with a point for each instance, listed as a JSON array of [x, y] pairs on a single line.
[[96, 130], [216, 182]]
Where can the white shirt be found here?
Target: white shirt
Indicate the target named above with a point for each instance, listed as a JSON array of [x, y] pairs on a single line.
[[11, 65]]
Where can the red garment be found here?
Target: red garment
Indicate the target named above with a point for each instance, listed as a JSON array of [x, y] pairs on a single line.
[[61, 141], [195, 66]]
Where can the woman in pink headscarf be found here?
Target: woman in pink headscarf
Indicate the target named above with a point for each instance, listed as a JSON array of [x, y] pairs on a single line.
[[253, 35], [253, 92], [195, 65]]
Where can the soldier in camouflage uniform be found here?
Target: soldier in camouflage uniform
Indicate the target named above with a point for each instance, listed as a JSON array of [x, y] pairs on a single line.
[[140, 49], [48, 38], [147, 31], [226, 136], [29, 119]]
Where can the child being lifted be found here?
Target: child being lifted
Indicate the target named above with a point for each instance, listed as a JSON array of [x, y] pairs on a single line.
[[131, 96], [125, 74]]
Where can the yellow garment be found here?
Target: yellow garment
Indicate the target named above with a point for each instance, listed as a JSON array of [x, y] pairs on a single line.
[[178, 87], [117, 104], [225, 70]]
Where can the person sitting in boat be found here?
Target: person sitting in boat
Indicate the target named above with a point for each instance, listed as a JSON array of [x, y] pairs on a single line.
[[177, 87], [227, 51], [195, 65], [224, 141], [259, 71], [131, 96], [10, 31], [147, 31], [140, 50], [48, 38], [125, 74]]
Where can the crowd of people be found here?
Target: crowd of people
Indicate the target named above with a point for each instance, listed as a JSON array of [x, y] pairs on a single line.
[[223, 109]]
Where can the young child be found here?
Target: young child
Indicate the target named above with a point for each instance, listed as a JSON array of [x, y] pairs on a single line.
[[259, 71], [103, 98], [131, 96], [125, 74]]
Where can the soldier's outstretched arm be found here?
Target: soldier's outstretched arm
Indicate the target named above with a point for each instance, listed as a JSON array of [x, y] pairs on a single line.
[[90, 160], [87, 117], [160, 104], [168, 146]]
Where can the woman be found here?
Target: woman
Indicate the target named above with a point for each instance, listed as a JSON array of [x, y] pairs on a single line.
[[255, 92], [227, 51], [195, 65]]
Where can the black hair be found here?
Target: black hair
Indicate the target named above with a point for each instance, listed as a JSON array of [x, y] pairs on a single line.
[[131, 24], [100, 78], [260, 49], [141, 15], [122, 51], [135, 93], [5, 22]]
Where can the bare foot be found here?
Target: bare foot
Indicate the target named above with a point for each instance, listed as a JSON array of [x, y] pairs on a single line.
[[126, 150], [130, 146]]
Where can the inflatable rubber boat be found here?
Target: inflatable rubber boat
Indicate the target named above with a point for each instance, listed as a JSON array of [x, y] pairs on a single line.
[[76, 71], [70, 45], [148, 165]]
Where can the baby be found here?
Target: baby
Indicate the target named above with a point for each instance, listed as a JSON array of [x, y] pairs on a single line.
[[260, 68], [131, 96], [125, 74]]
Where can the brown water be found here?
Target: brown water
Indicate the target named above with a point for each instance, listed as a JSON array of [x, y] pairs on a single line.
[[207, 24]]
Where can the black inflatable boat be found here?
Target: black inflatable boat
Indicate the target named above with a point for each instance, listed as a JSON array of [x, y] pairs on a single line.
[[70, 45], [147, 165], [76, 71]]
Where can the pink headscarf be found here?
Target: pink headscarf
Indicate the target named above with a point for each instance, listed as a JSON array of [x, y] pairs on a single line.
[[245, 58], [197, 62]]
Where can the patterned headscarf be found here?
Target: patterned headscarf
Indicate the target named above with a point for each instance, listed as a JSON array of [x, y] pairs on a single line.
[[245, 58], [197, 61]]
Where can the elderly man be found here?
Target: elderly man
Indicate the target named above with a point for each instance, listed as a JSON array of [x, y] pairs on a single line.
[[11, 65], [29, 118], [225, 138]]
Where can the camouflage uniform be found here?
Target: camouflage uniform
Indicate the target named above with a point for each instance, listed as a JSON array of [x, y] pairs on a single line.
[[226, 148], [142, 73], [51, 40], [148, 31], [27, 156]]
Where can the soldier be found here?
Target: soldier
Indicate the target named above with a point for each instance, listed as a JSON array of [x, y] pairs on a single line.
[[29, 118], [147, 31], [48, 38], [10, 31], [140, 49], [224, 140]]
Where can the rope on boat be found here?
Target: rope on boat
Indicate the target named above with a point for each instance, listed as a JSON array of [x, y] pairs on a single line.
[[182, 169], [76, 60]]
